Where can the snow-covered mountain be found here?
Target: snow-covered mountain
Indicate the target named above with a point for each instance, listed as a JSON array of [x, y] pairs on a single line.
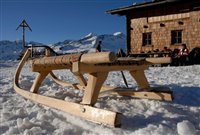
[[89, 42], [10, 50]]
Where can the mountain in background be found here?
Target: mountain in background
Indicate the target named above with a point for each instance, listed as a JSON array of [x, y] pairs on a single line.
[[10, 50], [90, 41]]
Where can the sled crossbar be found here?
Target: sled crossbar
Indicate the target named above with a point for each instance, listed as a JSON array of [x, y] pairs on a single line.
[[97, 66]]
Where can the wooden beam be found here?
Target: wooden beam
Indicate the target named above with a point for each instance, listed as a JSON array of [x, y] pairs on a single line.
[[86, 112], [94, 85], [38, 81], [140, 78], [159, 60], [81, 79], [84, 68], [68, 59], [99, 57], [128, 35], [154, 95]]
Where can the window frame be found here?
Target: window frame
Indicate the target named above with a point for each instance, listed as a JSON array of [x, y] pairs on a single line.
[[147, 39], [176, 37]]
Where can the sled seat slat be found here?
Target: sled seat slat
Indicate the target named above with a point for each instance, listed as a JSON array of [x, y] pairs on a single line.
[[103, 60]]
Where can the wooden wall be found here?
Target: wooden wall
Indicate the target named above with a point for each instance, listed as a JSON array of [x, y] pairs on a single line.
[[169, 17]]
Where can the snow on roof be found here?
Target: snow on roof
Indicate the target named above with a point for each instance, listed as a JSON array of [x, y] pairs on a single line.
[[123, 10]]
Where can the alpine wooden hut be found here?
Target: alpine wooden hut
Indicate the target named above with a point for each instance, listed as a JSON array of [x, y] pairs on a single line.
[[154, 25]]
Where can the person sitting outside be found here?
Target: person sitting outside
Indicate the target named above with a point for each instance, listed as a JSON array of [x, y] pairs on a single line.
[[183, 55], [98, 47], [121, 53]]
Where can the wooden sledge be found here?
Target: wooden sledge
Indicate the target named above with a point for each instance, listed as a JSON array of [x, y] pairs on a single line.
[[97, 66]]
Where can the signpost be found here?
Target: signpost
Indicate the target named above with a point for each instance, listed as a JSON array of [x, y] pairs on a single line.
[[24, 25]]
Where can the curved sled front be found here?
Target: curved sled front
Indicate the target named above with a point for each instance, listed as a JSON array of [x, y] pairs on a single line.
[[84, 111]]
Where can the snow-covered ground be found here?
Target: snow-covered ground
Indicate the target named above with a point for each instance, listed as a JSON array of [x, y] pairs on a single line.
[[140, 116]]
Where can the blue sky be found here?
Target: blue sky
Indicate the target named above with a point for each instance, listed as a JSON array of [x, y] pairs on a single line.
[[58, 20]]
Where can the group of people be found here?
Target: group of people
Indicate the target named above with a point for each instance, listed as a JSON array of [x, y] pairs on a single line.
[[179, 56]]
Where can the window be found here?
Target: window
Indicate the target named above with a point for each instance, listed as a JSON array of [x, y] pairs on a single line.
[[176, 37], [146, 39]]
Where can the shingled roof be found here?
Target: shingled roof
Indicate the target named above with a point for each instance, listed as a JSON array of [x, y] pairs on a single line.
[[124, 10]]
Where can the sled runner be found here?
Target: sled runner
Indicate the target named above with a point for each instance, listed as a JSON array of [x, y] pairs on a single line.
[[97, 66]]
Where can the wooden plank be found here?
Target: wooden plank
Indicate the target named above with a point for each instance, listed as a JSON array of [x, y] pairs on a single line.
[[65, 61], [130, 59], [168, 17], [95, 82], [66, 84], [85, 68], [140, 78], [81, 79], [86, 112], [90, 58], [159, 60], [159, 95], [38, 80]]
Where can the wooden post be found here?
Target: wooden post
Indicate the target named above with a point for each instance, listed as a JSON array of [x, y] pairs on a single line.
[[76, 72], [94, 85], [81, 79], [23, 35], [47, 52], [140, 78], [38, 80]]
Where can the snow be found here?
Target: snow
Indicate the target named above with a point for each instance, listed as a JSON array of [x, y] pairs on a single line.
[[117, 33], [186, 128], [140, 116]]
